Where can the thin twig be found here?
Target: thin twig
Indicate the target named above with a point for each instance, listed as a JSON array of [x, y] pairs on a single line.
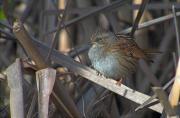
[[105, 8], [138, 18], [79, 11], [84, 113], [158, 5], [176, 29], [32, 106], [150, 23], [60, 24], [174, 60], [5, 24], [7, 33], [27, 11]]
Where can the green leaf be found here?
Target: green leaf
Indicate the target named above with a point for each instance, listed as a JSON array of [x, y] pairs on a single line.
[[2, 16]]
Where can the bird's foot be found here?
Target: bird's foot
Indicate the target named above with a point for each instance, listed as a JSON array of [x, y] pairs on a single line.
[[119, 82], [99, 74]]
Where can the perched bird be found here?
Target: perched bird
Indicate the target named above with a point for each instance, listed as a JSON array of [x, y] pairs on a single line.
[[115, 56]]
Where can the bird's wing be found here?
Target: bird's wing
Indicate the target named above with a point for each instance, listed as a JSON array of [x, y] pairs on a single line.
[[128, 47]]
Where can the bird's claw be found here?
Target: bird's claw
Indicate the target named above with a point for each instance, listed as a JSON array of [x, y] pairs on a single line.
[[98, 73], [119, 82]]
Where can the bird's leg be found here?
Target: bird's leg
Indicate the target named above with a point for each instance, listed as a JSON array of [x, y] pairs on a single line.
[[119, 82]]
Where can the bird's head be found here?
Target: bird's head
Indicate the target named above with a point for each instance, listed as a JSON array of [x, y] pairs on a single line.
[[102, 38]]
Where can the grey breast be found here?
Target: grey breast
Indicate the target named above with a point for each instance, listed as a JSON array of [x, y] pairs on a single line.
[[106, 64]]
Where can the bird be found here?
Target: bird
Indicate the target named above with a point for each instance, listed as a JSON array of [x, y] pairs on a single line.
[[115, 56]]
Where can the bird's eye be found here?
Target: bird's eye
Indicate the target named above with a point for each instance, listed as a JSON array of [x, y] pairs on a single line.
[[98, 39]]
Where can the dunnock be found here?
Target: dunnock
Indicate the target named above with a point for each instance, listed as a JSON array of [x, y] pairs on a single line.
[[115, 56]]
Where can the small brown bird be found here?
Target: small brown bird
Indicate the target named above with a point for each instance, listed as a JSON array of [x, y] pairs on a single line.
[[115, 56]]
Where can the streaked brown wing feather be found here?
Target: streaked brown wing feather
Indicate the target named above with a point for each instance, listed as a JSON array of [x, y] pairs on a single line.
[[128, 47]]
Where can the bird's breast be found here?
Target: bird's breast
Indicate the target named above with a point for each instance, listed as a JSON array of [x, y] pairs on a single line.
[[106, 63]]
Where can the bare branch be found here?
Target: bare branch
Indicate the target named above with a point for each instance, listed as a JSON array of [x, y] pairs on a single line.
[[151, 22], [176, 29], [138, 18]]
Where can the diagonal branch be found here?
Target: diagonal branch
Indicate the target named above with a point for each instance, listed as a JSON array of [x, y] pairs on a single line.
[[60, 24], [176, 29], [151, 22], [138, 18]]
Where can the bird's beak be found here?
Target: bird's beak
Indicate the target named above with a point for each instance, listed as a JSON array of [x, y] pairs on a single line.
[[93, 42]]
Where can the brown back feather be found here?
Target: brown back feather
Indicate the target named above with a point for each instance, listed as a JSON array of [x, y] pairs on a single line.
[[128, 47]]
